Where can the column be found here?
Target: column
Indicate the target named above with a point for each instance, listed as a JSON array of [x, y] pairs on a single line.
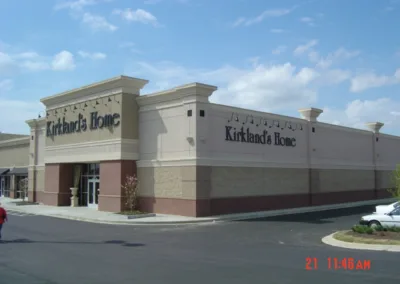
[[13, 187], [311, 115]]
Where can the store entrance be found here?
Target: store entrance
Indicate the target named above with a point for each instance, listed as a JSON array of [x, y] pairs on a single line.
[[90, 185], [93, 192]]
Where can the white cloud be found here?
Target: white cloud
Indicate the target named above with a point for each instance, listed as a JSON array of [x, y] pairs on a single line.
[[7, 64], [358, 112], [301, 49], [93, 55], [274, 13], [77, 4], [308, 20], [14, 113], [333, 57], [370, 80], [34, 65], [262, 87], [27, 55], [63, 61], [280, 49], [98, 23], [138, 15], [32, 61], [324, 62]]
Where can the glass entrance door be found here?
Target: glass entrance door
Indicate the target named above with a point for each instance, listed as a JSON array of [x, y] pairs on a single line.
[[2, 186], [93, 192]]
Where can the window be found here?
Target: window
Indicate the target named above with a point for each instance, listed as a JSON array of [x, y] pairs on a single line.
[[189, 112], [202, 113], [396, 211]]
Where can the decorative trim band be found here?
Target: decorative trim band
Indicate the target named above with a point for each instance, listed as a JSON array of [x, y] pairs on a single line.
[[105, 150], [240, 163]]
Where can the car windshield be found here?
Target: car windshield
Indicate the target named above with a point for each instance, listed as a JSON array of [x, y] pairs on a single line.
[[396, 205]]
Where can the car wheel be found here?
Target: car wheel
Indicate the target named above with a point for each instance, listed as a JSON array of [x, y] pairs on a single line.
[[374, 224]]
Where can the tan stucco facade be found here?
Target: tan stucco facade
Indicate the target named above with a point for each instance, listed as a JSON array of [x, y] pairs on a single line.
[[193, 157]]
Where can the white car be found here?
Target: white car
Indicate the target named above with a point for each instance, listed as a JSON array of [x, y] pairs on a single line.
[[382, 209], [389, 219]]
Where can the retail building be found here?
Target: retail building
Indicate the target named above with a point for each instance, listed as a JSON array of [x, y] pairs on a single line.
[[192, 157]]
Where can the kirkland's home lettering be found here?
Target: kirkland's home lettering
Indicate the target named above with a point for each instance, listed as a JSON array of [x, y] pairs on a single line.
[[245, 136], [61, 126]]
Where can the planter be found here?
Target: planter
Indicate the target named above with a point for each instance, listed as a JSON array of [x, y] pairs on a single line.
[[134, 215], [74, 197], [137, 216]]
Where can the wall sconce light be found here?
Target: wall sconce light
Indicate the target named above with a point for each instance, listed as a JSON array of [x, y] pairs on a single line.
[[55, 111], [47, 114], [234, 117], [97, 102], [65, 109], [190, 140], [75, 108], [247, 119], [109, 99]]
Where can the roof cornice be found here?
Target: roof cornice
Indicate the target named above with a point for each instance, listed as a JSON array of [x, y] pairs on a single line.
[[116, 85]]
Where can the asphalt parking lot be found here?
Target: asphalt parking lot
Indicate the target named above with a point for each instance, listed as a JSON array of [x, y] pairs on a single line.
[[270, 250]]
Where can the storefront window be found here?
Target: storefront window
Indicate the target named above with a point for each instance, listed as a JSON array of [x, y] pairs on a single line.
[[93, 169]]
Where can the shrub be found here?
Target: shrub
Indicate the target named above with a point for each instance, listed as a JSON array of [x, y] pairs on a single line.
[[362, 229], [131, 188], [23, 188], [395, 176]]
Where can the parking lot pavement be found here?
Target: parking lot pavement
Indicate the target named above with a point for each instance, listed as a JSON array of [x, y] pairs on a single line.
[[270, 250]]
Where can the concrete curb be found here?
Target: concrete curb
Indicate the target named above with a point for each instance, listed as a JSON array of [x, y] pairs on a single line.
[[330, 240], [221, 218]]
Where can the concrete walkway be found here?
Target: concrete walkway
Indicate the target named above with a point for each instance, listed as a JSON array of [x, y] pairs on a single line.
[[95, 216], [330, 240]]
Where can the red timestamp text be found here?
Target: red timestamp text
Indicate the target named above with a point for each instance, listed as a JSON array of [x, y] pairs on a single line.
[[337, 263]]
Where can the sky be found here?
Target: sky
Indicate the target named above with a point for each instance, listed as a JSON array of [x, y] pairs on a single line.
[[342, 56]]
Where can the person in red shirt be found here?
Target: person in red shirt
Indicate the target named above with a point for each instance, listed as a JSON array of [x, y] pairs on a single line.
[[3, 218]]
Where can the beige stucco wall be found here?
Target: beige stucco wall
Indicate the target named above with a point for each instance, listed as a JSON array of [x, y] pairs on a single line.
[[103, 108], [14, 153], [116, 98], [246, 181], [326, 158]]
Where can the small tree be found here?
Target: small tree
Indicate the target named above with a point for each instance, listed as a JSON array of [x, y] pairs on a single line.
[[23, 188], [395, 191], [131, 188]]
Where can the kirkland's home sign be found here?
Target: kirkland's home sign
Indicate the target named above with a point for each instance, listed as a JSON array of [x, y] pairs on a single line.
[[245, 136], [61, 127]]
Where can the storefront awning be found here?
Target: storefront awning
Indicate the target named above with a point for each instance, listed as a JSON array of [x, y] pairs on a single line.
[[3, 171], [18, 172]]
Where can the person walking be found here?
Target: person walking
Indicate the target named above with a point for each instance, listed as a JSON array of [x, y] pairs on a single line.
[[3, 218]]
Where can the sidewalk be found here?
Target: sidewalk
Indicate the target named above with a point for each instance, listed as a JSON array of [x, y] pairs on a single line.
[[91, 215]]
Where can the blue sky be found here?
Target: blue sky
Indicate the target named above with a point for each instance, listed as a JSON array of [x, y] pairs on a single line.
[[272, 55]]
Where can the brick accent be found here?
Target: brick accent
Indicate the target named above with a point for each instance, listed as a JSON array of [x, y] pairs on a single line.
[[58, 181], [112, 176]]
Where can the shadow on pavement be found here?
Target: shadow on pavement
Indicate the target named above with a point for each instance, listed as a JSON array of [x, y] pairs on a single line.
[[28, 241], [320, 217]]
